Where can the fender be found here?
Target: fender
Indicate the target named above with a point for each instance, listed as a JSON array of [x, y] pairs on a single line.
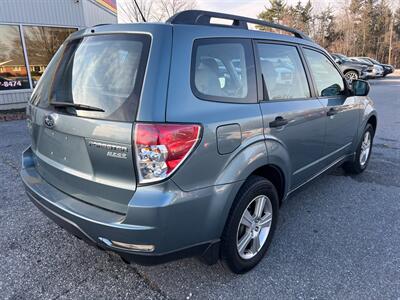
[[269, 151], [278, 156], [367, 112], [259, 154], [244, 163]]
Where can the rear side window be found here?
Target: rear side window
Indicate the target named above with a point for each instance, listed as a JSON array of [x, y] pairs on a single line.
[[102, 71], [223, 70], [328, 80], [283, 72]]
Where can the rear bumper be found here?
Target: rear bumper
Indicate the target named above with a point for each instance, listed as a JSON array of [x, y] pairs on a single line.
[[175, 227]]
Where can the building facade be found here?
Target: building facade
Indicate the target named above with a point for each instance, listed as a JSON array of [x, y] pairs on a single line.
[[31, 31]]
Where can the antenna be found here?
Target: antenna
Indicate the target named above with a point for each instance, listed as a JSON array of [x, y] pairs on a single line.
[[140, 11]]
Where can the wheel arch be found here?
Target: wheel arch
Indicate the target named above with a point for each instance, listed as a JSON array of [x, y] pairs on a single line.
[[352, 70], [275, 175], [267, 158], [373, 121]]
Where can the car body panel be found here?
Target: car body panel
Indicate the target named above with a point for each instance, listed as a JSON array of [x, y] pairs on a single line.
[[338, 142], [304, 149]]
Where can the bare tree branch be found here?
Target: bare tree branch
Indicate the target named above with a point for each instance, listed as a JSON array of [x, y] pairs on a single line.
[[153, 10]]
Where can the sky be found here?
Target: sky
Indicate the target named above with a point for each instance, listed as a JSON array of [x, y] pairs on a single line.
[[248, 8]]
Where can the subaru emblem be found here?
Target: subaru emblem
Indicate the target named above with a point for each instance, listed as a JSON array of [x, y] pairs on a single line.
[[49, 121]]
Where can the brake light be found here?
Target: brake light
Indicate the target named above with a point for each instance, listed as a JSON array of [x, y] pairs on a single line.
[[161, 148]]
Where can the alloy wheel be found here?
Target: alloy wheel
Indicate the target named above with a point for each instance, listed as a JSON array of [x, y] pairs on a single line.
[[350, 76], [254, 227], [365, 148]]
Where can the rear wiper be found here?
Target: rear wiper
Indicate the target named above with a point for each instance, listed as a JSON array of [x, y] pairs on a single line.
[[76, 106]]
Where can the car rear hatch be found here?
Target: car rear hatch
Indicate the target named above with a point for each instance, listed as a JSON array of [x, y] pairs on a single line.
[[81, 117]]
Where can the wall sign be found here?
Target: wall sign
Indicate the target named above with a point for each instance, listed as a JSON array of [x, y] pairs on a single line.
[[109, 4]]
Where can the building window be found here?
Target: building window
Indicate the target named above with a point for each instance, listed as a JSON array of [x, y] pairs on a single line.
[[13, 72], [41, 44]]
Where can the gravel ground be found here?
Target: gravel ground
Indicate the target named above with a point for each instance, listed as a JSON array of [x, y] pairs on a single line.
[[337, 238]]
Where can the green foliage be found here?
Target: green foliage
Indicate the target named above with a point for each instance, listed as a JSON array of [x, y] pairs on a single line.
[[299, 16], [275, 12]]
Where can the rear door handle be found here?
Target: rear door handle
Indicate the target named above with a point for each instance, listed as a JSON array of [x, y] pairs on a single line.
[[332, 111], [278, 122]]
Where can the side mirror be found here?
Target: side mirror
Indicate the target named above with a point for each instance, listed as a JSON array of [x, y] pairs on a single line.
[[338, 61], [360, 87]]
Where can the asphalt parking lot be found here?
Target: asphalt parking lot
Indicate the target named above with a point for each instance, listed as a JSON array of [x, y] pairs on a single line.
[[338, 238]]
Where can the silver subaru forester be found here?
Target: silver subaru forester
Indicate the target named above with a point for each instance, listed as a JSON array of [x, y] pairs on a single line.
[[161, 141]]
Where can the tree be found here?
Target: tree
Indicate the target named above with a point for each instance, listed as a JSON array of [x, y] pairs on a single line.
[[356, 28], [306, 16], [396, 22], [299, 16], [369, 18], [382, 24], [275, 13], [130, 13], [168, 8], [325, 32], [153, 10]]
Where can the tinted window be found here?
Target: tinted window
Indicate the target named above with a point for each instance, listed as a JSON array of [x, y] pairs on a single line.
[[41, 44], [328, 80], [104, 71], [283, 72], [13, 73], [223, 70]]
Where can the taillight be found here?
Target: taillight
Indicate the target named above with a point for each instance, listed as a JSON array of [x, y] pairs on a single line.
[[161, 148]]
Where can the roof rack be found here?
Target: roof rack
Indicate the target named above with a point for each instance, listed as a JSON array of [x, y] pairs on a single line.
[[202, 17]]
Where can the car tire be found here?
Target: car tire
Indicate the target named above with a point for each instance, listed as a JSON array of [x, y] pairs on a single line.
[[363, 153], [351, 75], [238, 230]]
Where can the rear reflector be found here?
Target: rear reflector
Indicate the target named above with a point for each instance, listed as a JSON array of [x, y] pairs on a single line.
[[161, 148]]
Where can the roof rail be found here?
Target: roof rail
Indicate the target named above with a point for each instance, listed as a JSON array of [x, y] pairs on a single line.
[[202, 17], [102, 24]]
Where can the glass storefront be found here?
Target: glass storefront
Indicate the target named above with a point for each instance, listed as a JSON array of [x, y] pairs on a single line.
[[13, 73], [41, 43]]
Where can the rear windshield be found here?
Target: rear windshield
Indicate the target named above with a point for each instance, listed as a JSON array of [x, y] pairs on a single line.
[[104, 72]]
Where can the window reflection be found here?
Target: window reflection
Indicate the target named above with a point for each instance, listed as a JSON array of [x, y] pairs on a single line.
[[13, 73], [283, 72], [41, 44], [328, 80]]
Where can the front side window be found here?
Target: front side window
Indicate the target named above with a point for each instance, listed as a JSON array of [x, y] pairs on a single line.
[[13, 72], [328, 80], [283, 72], [223, 70], [41, 45]]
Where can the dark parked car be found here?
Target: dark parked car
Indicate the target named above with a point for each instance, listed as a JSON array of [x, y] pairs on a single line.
[[387, 69], [353, 70], [160, 141], [377, 69]]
